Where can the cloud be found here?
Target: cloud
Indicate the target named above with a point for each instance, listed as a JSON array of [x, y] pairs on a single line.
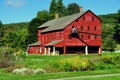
[[15, 3]]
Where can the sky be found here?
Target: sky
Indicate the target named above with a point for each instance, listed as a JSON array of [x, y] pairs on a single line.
[[15, 11]]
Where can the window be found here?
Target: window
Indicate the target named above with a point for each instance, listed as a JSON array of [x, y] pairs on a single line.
[[95, 28], [95, 37], [60, 35], [50, 38], [92, 18], [81, 36], [54, 35], [46, 38], [88, 36], [88, 28], [81, 27], [83, 18]]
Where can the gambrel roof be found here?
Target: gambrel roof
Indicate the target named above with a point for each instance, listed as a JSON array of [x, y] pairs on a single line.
[[60, 23]]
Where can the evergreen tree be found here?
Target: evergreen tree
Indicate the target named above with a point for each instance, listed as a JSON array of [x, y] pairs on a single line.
[[57, 7], [60, 8], [73, 8], [53, 7]]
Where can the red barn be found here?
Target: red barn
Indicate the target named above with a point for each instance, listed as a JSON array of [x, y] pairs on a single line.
[[77, 33]]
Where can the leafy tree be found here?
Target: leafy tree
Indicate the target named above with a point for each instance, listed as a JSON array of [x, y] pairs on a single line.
[[117, 33], [1, 32], [32, 31], [117, 29], [44, 16], [73, 8], [53, 7], [1, 29], [118, 16], [109, 44]]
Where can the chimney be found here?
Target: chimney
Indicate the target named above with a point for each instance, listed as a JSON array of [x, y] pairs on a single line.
[[56, 15], [81, 9]]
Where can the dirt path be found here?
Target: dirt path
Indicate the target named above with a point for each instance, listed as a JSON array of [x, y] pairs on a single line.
[[92, 76]]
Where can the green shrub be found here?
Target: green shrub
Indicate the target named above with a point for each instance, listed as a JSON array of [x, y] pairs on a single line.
[[109, 59], [4, 63], [11, 68], [86, 65], [20, 55], [73, 64], [66, 65]]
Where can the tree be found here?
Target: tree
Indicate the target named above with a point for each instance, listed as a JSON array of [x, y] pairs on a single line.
[[57, 7], [44, 15], [73, 8], [61, 9], [32, 30], [117, 33], [118, 16], [1, 33], [109, 44], [53, 7], [117, 29]]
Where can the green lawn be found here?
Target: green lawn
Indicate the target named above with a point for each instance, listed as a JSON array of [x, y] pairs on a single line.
[[99, 78], [8, 76], [118, 47], [40, 61]]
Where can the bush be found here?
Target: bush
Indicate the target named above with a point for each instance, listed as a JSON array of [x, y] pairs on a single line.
[[11, 68], [73, 64], [20, 55], [66, 65], [4, 63], [111, 59]]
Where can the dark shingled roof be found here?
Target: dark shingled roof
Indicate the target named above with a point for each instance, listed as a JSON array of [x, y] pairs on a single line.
[[53, 43], [35, 44], [60, 23]]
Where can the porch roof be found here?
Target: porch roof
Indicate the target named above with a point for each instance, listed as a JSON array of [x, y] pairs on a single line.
[[38, 43], [53, 43]]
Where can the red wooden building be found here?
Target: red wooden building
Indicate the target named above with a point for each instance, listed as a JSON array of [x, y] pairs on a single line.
[[77, 33]]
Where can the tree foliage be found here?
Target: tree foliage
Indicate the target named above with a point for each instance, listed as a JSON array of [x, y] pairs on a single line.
[[32, 30], [118, 16], [109, 44], [44, 15], [1, 33], [117, 33], [73, 8], [53, 7], [57, 7]]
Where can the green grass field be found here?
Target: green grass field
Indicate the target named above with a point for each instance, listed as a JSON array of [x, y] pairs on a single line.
[[40, 61], [8, 76]]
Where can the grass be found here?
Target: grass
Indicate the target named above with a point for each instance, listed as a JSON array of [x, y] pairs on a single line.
[[99, 78], [118, 47], [8, 76], [40, 61]]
